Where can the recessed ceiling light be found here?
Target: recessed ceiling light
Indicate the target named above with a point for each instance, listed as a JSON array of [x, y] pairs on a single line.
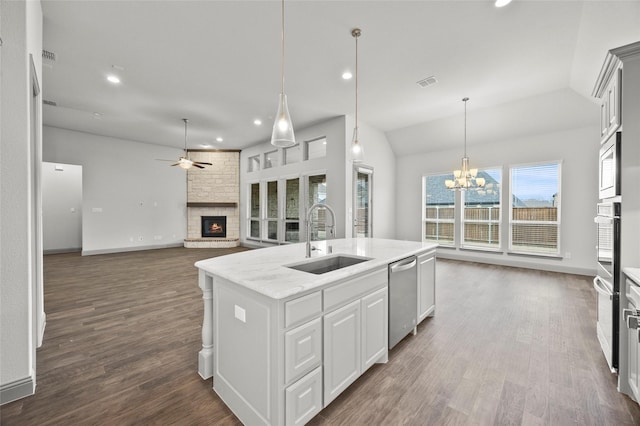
[[347, 75], [219, 139], [205, 145], [97, 115], [257, 122], [500, 3], [113, 79]]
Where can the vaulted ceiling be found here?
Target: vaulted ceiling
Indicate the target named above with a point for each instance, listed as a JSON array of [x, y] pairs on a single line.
[[218, 64]]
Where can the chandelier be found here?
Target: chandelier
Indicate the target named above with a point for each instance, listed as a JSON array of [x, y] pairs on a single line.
[[465, 178]]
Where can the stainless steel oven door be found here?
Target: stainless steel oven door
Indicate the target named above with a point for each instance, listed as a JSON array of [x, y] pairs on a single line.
[[604, 325]]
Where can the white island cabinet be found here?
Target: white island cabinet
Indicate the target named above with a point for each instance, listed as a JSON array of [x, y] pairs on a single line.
[[281, 343]]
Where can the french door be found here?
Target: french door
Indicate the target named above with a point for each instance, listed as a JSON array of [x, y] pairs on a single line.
[[362, 201]]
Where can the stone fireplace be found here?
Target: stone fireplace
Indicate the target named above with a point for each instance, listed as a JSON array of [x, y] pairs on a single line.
[[213, 193]]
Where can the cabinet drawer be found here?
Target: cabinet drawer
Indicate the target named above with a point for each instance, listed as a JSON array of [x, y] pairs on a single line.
[[303, 399], [302, 308], [341, 293], [303, 349], [633, 292]]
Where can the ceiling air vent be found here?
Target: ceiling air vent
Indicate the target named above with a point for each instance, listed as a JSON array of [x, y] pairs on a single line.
[[50, 103], [48, 56], [426, 82]]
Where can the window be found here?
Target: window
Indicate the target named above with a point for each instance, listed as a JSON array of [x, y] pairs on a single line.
[[439, 210], [535, 209], [293, 154], [271, 159], [272, 210], [316, 148], [254, 215], [317, 193], [254, 163], [481, 212], [292, 210]]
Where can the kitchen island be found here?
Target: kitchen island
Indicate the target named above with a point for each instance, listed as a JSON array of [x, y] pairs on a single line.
[[283, 335]]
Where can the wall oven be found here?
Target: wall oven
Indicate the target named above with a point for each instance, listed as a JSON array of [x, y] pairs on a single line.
[[609, 167], [607, 281]]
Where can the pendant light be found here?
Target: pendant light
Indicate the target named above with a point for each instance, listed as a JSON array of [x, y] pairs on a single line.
[[282, 135], [357, 153], [465, 178]]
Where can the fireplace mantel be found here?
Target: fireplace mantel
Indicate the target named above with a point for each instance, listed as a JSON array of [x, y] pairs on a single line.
[[206, 204]]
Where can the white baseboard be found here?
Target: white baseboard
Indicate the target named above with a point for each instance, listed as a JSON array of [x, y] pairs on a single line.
[[126, 249], [514, 262], [41, 326], [16, 390], [63, 250]]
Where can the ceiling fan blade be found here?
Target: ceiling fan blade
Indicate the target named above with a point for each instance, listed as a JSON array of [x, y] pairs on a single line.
[[198, 166], [177, 164], [204, 164]]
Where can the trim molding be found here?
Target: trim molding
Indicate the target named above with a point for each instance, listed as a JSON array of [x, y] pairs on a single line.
[[211, 204], [63, 250], [16, 390], [516, 263], [126, 249]]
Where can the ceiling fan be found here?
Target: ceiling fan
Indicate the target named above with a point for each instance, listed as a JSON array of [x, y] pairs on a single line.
[[185, 162]]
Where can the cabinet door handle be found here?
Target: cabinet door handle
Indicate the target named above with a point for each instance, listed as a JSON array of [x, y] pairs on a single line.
[[626, 313], [633, 321]]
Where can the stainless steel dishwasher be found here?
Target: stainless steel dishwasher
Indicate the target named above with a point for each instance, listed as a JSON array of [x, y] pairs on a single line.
[[403, 296]]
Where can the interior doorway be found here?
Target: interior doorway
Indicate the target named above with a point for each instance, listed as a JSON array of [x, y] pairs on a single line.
[[362, 201], [61, 208]]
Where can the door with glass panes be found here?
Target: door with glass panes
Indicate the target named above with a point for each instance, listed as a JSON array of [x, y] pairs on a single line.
[[362, 201]]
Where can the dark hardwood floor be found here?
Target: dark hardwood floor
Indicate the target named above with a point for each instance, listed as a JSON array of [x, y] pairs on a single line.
[[507, 346]]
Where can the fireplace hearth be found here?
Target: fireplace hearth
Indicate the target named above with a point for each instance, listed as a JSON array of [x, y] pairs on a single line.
[[214, 226]]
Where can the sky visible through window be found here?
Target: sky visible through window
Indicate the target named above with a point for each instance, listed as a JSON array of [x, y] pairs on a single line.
[[538, 183]]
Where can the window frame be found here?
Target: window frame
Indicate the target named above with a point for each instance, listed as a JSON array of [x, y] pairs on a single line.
[[266, 219], [557, 222], [463, 221], [251, 218], [453, 243]]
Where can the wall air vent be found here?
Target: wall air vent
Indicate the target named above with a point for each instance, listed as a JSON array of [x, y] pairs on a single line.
[[426, 82], [48, 56], [50, 103]]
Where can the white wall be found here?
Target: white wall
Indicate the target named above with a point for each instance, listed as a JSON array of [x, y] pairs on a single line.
[[379, 155], [21, 24], [578, 150], [61, 207], [130, 200], [339, 170], [332, 165]]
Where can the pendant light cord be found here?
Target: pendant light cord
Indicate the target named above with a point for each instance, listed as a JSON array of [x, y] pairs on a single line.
[[185, 135], [357, 36], [282, 34], [465, 125]]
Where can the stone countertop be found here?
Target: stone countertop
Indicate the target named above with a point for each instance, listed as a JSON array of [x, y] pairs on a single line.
[[262, 270], [633, 273]]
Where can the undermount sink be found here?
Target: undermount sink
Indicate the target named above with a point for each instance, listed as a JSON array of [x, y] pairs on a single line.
[[327, 263]]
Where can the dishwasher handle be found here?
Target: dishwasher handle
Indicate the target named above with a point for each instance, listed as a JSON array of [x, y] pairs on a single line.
[[403, 266]]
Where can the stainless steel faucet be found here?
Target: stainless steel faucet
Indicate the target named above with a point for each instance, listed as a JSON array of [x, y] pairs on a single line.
[[332, 228]]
